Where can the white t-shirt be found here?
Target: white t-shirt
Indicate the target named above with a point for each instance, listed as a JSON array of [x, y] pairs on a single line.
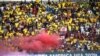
[[14, 7], [63, 29], [2, 8], [82, 29], [90, 12]]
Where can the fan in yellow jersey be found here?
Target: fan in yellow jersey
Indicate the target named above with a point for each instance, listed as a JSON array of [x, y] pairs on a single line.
[[37, 1], [63, 4], [25, 31]]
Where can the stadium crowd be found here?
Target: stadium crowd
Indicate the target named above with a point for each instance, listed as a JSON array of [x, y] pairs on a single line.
[[78, 24]]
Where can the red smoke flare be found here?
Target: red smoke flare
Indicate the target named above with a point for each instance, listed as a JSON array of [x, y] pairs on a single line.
[[42, 42]]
